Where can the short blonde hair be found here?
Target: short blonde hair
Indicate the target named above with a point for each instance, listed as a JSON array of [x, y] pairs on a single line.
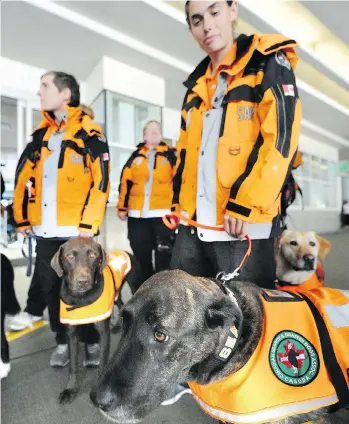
[[88, 111], [153, 121]]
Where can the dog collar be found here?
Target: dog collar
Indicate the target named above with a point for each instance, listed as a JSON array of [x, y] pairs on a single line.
[[227, 350]]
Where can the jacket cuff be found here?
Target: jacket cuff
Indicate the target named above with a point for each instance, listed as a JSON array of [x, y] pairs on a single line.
[[23, 224], [88, 228], [121, 209], [238, 211]]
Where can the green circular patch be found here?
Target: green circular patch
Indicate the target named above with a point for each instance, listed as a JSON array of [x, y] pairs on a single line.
[[293, 359]]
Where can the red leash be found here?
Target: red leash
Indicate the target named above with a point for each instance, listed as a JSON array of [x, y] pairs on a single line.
[[172, 222]]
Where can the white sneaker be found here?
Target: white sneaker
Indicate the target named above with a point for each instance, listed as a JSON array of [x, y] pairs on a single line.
[[23, 320], [4, 370]]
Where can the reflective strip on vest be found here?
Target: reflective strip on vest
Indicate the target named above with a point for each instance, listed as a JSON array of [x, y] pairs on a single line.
[[339, 315], [87, 320], [268, 414]]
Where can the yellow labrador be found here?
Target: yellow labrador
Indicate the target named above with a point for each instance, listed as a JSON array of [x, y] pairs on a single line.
[[299, 254]]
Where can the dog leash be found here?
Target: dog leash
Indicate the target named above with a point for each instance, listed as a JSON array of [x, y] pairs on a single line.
[[30, 238], [172, 221]]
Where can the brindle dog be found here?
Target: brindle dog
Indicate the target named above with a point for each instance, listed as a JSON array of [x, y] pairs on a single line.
[[173, 330]]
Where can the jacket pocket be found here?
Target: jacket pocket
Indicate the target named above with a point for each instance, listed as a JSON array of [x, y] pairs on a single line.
[[232, 159], [74, 187]]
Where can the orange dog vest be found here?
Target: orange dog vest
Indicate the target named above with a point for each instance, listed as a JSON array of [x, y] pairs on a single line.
[[119, 264], [315, 281], [289, 372]]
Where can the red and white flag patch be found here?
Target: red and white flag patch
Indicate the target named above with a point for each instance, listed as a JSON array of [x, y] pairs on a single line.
[[105, 156], [288, 89]]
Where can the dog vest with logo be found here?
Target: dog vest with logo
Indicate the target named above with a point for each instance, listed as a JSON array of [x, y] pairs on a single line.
[[119, 264], [298, 366], [315, 281]]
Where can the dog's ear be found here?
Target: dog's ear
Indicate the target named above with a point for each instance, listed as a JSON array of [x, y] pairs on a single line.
[[219, 317], [56, 262], [222, 314], [104, 259], [324, 247]]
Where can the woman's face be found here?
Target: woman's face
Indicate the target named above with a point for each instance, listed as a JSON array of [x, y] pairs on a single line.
[[211, 24], [152, 135]]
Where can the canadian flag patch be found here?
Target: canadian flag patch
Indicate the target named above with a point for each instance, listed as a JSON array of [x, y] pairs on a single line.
[[105, 156], [288, 89]]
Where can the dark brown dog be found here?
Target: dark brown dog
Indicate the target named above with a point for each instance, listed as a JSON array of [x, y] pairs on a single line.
[[80, 262]]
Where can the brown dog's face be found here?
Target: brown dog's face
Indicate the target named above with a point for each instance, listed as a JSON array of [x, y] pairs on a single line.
[[79, 259], [302, 249]]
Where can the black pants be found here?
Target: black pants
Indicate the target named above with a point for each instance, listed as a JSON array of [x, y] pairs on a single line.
[[146, 235], [45, 289], [206, 259], [9, 303]]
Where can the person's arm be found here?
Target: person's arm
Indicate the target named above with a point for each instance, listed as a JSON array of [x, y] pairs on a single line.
[[181, 148], [99, 163], [279, 113], [125, 188], [21, 192]]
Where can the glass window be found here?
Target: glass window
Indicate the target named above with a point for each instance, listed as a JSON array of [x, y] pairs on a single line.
[[98, 107], [118, 158], [9, 133], [37, 118], [317, 178], [126, 118]]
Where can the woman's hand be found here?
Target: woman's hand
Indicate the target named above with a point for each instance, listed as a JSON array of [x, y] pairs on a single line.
[[235, 227]]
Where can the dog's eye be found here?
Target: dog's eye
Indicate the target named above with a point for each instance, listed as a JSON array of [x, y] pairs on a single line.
[[293, 243], [70, 257], [92, 255], [312, 243], [160, 337]]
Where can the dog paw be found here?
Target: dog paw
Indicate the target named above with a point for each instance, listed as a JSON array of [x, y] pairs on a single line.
[[67, 396]]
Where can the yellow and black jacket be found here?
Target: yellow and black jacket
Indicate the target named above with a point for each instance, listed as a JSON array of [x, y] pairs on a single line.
[[83, 173], [136, 176], [300, 364], [258, 134]]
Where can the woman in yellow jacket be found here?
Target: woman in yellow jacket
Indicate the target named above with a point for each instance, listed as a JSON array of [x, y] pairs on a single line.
[[145, 196], [238, 140]]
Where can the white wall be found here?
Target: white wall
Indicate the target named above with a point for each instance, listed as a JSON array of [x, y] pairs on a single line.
[[22, 81], [132, 82], [171, 123]]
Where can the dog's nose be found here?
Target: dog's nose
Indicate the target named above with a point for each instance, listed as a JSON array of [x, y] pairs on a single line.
[[309, 260], [103, 399], [82, 283]]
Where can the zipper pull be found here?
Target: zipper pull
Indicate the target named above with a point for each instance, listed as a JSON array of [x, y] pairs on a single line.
[[29, 187]]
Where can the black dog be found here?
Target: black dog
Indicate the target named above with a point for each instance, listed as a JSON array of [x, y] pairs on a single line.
[[249, 355], [9, 306], [91, 282]]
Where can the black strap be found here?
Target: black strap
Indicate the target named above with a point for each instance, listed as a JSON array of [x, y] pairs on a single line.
[[337, 378]]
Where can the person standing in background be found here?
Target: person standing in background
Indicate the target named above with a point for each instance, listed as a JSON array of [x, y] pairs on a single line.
[[145, 195]]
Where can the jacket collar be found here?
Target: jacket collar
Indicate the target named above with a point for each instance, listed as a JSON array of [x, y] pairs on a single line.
[[246, 45], [69, 114], [244, 50], [162, 147]]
